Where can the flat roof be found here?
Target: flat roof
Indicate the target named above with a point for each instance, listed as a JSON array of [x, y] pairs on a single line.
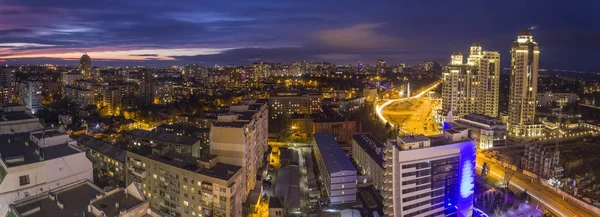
[[165, 137], [75, 199], [108, 202], [47, 133], [234, 124], [13, 146], [414, 138], [103, 147], [220, 170], [15, 116], [370, 145], [334, 157]]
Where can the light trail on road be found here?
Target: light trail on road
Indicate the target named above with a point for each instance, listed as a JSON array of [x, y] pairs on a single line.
[[378, 109], [528, 192]]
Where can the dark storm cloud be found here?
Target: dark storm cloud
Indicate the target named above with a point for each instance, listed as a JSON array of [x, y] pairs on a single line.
[[286, 31]]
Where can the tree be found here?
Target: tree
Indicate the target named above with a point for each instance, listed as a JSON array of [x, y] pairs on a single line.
[[485, 170]]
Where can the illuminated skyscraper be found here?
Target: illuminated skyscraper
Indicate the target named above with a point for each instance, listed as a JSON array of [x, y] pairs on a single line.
[[472, 87], [6, 86], [380, 66], [523, 86], [85, 65]]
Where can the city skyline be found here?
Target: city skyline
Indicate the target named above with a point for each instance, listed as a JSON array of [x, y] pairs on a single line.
[[163, 33]]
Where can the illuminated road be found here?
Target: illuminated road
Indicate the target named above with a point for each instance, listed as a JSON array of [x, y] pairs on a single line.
[[413, 115], [546, 197]]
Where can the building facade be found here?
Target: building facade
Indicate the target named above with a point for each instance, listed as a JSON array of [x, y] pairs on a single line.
[[472, 87], [523, 87], [108, 160], [186, 145], [543, 160], [79, 96], [486, 130], [429, 176], [6, 86], [240, 138], [550, 99], [179, 185], [338, 174], [286, 104], [30, 94], [367, 152]]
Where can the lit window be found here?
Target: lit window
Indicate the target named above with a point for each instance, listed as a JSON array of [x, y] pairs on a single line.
[[186, 203], [154, 175]]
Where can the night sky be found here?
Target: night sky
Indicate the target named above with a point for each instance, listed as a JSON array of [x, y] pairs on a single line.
[[149, 32]]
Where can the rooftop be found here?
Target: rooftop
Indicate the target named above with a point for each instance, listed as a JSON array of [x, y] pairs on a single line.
[[164, 137], [16, 153], [334, 157], [414, 138], [234, 124], [220, 170], [75, 199], [47, 133], [15, 116], [103, 147], [371, 145], [107, 204]]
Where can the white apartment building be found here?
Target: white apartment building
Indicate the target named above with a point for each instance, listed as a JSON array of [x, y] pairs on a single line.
[[240, 138], [37, 162], [338, 174], [367, 152], [30, 94], [523, 87], [430, 176], [472, 87]]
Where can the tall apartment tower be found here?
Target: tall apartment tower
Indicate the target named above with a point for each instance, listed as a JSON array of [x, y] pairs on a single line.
[[85, 64], [31, 95], [147, 88], [472, 87], [6, 86], [523, 86]]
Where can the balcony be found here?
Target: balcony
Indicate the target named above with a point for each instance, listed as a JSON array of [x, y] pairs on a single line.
[[137, 171]]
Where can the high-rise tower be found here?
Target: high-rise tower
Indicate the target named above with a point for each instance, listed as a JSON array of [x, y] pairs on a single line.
[[472, 87], [523, 86], [85, 64]]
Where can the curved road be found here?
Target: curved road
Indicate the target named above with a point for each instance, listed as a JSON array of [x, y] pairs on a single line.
[[537, 191]]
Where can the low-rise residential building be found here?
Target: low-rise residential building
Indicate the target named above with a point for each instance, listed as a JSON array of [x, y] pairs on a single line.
[[542, 160], [34, 163], [338, 174], [367, 152], [83, 198], [342, 130], [430, 176], [180, 185], [186, 145], [108, 160], [489, 132], [286, 104], [550, 99]]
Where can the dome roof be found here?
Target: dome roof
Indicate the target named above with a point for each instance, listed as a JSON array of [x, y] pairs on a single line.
[[525, 32]]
